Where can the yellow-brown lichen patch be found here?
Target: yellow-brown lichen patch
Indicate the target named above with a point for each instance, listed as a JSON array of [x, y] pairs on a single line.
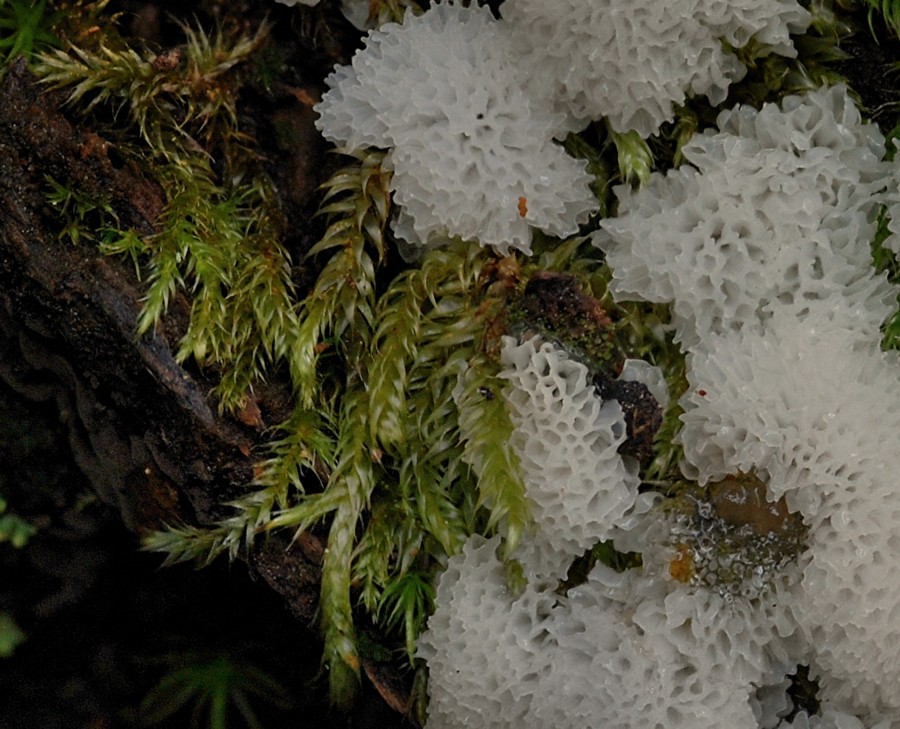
[[681, 567]]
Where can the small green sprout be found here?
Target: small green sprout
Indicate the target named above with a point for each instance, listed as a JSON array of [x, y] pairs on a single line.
[[407, 603], [82, 215], [885, 260], [25, 27], [635, 158], [214, 686]]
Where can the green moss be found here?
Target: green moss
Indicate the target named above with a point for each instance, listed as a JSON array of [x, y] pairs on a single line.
[[218, 238], [601, 553], [342, 302], [554, 306], [82, 217], [886, 261], [26, 27], [214, 687], [889, 10]]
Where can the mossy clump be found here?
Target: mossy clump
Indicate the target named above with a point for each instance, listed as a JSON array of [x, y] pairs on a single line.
[[553, 305]]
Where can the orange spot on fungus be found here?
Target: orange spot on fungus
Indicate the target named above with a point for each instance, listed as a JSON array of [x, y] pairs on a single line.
[[523, 207]]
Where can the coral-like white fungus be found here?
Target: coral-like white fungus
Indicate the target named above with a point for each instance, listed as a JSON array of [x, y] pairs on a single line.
[[472, 155], [788, 404], [785, 374], [893, 211], [819, 416], [786, 379], [486, 651], [776, 214], [566, 438], [633, 61], [620, 651]]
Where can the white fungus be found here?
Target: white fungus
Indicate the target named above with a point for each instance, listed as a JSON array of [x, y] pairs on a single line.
[[566, 438], [830, 719], [893, 207], [792, 404], [775, 214], [472, 155], [485, 649], [818, 416], [786, 378], [582, 661], [769, 274], [632, 62]]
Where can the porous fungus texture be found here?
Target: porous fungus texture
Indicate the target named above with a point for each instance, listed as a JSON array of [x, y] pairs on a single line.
[[892, 242], [830, 719], [578, 486], [763, 249], [472, 156], [632, 61], [849, 608], [746, 637], [583, 660], [486, 649], [802, 405], [774, 213], [714, 611], [818, 414], [620, 661]]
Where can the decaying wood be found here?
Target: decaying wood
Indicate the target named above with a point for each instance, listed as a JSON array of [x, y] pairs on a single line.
[[141, 426]]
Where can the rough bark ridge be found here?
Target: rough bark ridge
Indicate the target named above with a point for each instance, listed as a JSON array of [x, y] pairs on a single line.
[[141, 427]]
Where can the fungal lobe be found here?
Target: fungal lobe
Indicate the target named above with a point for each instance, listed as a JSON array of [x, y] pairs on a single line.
[[554, 305]]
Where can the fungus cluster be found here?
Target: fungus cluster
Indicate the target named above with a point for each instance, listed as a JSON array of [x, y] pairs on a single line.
[[760, 244], [473, 155], [790, 402], [633, 62], [773, 212], [779, 308], [567, 439], [469, 105]]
